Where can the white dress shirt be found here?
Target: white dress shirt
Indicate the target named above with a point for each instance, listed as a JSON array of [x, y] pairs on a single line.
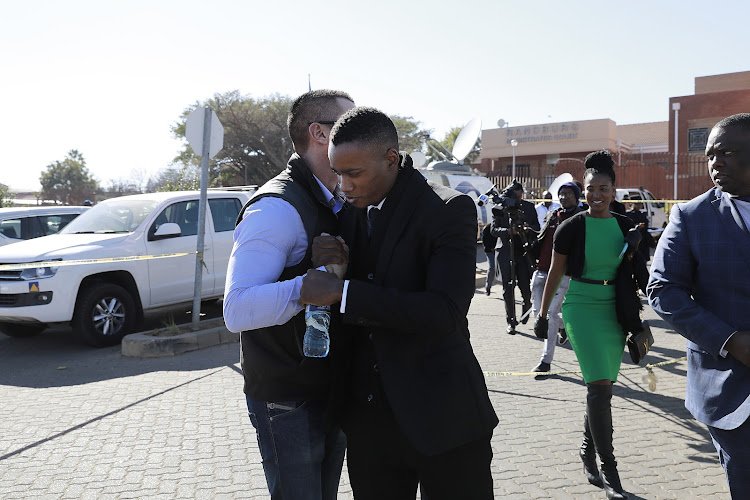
[[270, 238]]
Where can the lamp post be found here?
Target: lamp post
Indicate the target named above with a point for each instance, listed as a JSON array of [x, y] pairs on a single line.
[[676, 109], [513, 143]]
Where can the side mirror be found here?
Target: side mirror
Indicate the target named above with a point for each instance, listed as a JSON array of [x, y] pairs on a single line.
[[167, 230]]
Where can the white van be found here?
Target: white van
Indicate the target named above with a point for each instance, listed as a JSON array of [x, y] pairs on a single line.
[[654, 210], [464, 181]]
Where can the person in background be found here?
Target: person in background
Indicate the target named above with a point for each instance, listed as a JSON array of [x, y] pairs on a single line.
[[617, 207], [513, 233], [287, 394], [568, 194], [640, 220], [588, 247], [488, 242], [544, 207], [700, 284], [417, 411]]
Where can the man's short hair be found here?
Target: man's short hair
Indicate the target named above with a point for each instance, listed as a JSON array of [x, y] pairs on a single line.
[[741, 120], [310, 107], [366, 125]]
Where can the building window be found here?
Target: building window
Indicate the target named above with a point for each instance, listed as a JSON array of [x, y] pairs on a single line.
[[697, 139]]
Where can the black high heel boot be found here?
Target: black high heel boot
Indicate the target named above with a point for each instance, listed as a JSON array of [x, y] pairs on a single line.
[[588, 455], [599, 412]]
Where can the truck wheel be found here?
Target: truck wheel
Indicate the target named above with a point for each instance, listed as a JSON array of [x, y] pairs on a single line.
[[104, 314], [21, 330]]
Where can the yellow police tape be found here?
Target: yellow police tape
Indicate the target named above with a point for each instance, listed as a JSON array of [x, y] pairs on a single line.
[[79, 262], [539, 200], [648, 367]]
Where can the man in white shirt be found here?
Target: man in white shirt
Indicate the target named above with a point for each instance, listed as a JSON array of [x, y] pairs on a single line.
[[545, 206], [302, 452]]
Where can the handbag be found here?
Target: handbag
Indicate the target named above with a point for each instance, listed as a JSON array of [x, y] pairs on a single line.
[[639, 343]]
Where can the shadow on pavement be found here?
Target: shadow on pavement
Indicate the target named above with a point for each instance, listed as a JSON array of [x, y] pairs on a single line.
[[56, 359]]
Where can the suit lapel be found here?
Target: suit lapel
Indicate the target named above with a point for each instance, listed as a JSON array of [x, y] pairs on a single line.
[[397, 217], [732, 222]]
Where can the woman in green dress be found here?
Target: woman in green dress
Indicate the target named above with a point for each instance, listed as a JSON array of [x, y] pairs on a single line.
[[588, 247]]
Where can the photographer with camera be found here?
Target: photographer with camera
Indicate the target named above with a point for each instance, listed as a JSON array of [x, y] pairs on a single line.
[[512, 221]]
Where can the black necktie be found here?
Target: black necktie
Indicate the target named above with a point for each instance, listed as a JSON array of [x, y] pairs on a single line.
[[372, 214]]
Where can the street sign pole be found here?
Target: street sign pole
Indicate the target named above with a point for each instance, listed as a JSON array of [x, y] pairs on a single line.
[[201, 218]]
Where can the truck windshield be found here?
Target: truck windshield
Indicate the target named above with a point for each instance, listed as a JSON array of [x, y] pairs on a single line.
[[112, 216]]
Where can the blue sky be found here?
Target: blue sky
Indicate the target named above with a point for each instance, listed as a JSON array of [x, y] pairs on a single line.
[[110, 78]]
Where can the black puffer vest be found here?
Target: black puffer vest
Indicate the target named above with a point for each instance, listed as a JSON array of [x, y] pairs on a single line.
[[273, 364]]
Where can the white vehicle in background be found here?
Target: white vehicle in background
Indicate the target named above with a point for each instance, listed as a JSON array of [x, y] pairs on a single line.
[[654, 210], [25, 223], [451, 171], [463, 181], [104, 298]]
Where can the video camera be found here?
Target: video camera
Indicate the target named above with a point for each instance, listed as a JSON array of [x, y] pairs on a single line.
[[505, 199]]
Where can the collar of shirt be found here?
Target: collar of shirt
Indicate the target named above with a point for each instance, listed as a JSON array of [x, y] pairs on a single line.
[[379, 206], [337, 202]]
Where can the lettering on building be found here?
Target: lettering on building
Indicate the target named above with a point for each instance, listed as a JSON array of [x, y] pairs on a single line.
[[543, 133]]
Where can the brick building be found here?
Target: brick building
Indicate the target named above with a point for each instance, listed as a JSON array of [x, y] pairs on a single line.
[[644, 152]]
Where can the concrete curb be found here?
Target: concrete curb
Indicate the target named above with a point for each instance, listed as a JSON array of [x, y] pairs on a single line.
[[151, 345]]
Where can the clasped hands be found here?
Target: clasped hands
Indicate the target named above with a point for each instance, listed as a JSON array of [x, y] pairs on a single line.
[[325, 288]]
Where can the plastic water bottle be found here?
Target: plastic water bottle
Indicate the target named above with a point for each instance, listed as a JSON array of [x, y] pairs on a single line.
[[317, 320]]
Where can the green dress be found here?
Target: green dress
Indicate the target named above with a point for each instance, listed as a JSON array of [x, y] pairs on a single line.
[[589, 310]]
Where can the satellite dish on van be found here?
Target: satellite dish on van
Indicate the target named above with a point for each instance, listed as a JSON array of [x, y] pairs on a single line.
[[419, 158], [555, 186], [467, 138], [501, 123]]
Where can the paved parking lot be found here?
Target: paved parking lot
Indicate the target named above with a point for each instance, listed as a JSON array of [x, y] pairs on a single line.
[[87, 423]]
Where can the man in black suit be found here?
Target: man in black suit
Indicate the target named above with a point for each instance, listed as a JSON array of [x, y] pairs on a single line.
[[511, 223], [416, 409]]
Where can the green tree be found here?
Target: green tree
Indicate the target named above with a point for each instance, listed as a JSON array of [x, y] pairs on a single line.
[[410, 135], [6, 197], [449, 140], [68, 181], [177, 178], [256, 142]]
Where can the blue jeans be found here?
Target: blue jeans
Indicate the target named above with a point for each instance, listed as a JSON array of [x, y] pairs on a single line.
[[300, 459]]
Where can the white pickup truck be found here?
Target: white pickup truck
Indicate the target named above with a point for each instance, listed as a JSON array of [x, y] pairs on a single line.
[[654, 210], [105, 299]]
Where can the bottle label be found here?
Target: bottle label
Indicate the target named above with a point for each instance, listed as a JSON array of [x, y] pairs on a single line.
[[312, 308]]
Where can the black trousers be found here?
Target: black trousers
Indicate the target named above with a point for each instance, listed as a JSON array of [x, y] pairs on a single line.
[[523, 279], [383, 464]]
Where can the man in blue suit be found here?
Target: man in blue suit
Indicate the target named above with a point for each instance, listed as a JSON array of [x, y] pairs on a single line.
[[700, 284]]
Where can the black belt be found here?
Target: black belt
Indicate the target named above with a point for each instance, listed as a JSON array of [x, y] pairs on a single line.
[[595, 282]]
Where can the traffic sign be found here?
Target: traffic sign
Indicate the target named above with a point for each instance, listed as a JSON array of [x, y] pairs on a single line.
[[194, 131]]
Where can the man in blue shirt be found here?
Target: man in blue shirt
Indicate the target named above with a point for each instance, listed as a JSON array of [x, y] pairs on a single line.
[[303, 452]]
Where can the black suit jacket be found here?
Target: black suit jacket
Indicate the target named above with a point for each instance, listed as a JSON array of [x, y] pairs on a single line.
[[414, 306]]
